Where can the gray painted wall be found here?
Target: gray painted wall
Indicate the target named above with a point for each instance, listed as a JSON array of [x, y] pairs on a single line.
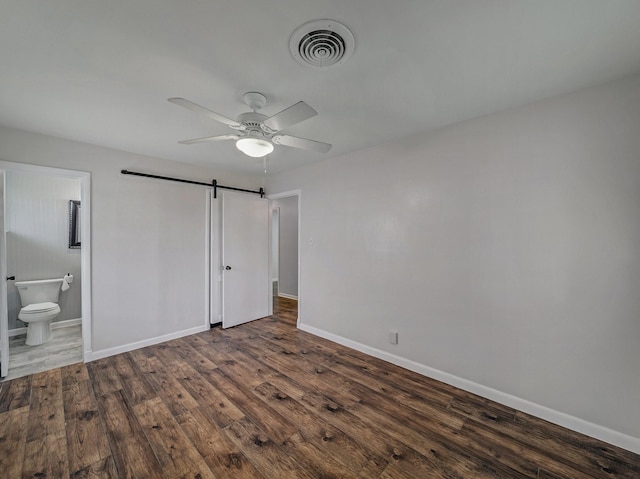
[[37, 222], [288, 250], [504, 250]]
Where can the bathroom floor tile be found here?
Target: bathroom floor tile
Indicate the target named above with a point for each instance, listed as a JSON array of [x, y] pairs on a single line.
[[63, 349]]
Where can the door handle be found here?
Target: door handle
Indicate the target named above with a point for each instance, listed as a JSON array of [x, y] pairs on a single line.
[[11, 278], [227, 267]]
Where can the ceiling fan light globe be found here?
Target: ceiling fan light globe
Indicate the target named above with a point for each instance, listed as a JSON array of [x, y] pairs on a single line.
[[254, 147]]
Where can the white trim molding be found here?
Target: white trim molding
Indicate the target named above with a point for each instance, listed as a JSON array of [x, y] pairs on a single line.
[[596, 431], [85, 250], [104, 353], [67, 323], [288, 296], [17, 332]]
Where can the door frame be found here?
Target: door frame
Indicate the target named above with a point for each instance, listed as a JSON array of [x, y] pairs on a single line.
[[85, 250], [277, 196], [275, 244]]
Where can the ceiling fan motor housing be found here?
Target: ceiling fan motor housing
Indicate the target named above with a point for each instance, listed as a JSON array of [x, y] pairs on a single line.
[[252, 119]]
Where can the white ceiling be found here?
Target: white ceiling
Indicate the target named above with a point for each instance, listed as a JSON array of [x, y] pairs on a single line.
[[101, 71]]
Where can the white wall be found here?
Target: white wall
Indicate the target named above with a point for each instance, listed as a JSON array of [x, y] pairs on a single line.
[[148, 237], [37, 226], [504, 250], [288, 245]]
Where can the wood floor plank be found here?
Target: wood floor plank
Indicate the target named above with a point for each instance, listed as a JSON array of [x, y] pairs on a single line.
[[225, 459], [356, 369], [216, 348], [582, 452], [519, 457], [266, 400], [277, 427], [542, 474], [361, 372], [314, 461], [263, 452], [133, 381], [14, 394], [86, 439], [431, 417], [13, 438], [103, 469], [167, 386], [219, 407], [73, 374], [264, 373], [392, 472], [104, 378], [46, 456], [435, 441], [190, 348], [174, 451], [46, 413], [552, 441], [329, 440], [131, 451], [392, 444], [288, 366]]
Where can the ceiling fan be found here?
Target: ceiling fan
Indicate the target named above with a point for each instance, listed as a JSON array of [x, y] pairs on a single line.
[[257, 133]]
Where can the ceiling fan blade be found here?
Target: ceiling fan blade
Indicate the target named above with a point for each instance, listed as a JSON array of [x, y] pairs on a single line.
[[189, 105], [302, 143], [290, 116], [209, 139]]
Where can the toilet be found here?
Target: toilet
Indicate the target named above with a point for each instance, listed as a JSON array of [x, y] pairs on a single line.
[[39, 307]]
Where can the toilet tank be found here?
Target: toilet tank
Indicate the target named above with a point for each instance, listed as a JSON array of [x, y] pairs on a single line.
[[39, 291]]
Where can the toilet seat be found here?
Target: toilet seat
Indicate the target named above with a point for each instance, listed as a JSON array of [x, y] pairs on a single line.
[[37, 312], [39, 308]]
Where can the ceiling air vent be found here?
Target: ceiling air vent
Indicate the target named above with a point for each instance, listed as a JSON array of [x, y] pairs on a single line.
[[321, 44]]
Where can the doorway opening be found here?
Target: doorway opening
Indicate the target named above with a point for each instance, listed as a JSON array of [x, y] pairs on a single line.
[[45, 235], [285, 257]]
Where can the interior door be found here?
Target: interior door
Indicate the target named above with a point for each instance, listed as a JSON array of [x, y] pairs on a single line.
[[4, 319], [245, 258]]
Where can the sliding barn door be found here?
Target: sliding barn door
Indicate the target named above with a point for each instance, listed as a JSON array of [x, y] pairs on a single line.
[[245, 258]]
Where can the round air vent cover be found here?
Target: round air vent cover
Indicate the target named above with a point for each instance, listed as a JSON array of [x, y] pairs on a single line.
[[321, 43]]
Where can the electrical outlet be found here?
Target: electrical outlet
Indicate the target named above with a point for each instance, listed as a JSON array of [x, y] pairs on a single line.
[[393, 337]]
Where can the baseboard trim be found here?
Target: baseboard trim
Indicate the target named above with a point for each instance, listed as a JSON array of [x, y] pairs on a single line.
[[104, 353], [596, 431], [17, 332], [55, 325], [288, 296], [66, 323]]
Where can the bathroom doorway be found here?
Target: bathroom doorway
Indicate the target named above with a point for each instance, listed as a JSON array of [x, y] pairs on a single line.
[[46, 236]]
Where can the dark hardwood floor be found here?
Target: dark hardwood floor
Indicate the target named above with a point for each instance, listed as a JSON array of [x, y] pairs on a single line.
[[267, 400]]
